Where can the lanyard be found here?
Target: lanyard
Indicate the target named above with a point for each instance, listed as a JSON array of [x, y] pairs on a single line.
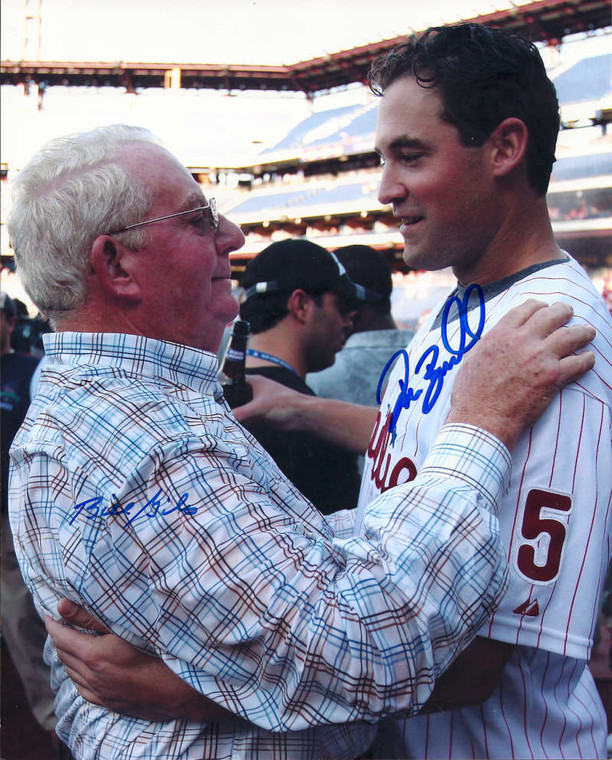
[[270, 358]]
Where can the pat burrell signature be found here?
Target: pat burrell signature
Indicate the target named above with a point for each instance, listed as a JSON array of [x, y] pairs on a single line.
[[93, 508], [427, 366]]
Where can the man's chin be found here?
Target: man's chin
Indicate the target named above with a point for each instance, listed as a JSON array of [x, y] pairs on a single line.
[[232, 310], [414, 258]]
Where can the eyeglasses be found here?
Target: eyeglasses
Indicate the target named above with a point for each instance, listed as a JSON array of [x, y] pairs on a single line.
[[213, 217]]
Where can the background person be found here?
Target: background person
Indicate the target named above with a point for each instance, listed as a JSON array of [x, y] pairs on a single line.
[[22, 628], [299, 302], [375, 336]]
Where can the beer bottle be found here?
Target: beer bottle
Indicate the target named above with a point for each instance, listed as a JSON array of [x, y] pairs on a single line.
[[232, 376]]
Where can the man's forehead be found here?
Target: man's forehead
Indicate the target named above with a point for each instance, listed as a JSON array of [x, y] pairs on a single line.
[[406, 91], [149, 158], [164, 174], [406, 113]]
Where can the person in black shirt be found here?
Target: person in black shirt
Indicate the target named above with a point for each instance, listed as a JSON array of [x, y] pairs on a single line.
[[17, 371], [298, 301], [22, 629]]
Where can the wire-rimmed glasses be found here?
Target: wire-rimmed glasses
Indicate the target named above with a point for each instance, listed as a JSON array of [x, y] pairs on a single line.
[[213, 217]]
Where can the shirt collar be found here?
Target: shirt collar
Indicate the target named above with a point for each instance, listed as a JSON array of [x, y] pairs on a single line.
[[137, 355]]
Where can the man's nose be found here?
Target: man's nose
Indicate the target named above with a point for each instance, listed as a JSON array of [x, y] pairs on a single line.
[[347, 319], [391, 188], [229, 236]]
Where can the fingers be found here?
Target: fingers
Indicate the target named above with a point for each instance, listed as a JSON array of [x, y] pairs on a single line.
[[539, 316], [519, 315], [76, 615], [567, 340], [64, 637], [66, 641], [549, 322], [512, 375], [573, 367]]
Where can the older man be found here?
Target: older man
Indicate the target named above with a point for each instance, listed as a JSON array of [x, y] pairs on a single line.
[[136, 493]]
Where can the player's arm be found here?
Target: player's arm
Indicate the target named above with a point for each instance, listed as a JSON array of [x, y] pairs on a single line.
[[110, 672], [472, 677]]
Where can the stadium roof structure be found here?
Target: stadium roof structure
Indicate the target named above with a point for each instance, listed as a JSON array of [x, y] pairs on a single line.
[[542, 21]]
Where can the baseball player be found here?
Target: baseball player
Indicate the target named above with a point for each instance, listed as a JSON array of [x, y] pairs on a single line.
[[469, 190]]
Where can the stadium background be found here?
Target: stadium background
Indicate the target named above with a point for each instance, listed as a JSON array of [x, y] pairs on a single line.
[[286, 148]]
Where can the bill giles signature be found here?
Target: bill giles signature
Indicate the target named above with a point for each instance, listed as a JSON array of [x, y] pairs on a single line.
[[152, 507]]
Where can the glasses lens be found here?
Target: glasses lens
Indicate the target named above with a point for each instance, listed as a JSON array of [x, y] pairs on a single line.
[[214, 214]]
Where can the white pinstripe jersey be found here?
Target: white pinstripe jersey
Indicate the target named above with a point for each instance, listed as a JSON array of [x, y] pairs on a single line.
[[555, 522]]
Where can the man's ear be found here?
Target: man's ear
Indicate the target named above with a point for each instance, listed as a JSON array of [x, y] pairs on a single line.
[[111, 263], [299, 304], [509, 145]]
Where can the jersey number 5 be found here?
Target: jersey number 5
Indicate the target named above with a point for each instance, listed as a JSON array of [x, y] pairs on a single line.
[[541, 563]]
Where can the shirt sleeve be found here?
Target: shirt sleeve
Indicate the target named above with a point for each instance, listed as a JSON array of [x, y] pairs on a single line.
[[263, 609]]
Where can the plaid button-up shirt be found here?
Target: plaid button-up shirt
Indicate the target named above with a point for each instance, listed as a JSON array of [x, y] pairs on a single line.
[[135, 492]]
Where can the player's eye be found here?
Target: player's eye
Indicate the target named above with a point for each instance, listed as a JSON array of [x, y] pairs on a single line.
[[410, 158]]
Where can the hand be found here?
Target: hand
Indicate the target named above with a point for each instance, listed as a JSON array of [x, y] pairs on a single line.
[[472, 676], [512, 374], [279, 405], [110, 672], [343, 424]]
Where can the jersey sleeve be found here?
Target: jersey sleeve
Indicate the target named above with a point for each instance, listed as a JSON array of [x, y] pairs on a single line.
[[555, 523]]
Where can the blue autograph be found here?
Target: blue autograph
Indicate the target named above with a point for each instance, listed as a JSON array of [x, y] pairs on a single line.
[[93, 508], [433, 374]]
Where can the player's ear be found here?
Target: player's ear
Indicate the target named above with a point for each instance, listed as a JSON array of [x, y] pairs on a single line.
[[508, 144], [111, 264]]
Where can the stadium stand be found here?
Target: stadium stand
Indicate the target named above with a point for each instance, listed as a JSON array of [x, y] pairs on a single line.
[[320, 178], [588, 79], [318, 128], [578, 167], [334, 158]]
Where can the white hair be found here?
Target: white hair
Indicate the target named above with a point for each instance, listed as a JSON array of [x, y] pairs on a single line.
[[70, 192]]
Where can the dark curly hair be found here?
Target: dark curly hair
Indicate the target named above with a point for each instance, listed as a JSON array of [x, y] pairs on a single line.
[[485, 75]]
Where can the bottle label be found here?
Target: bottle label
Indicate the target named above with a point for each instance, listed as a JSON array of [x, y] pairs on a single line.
[[234, 354]]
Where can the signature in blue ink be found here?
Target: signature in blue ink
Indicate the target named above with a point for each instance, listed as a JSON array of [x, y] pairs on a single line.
[[428, 362], [151, 508]]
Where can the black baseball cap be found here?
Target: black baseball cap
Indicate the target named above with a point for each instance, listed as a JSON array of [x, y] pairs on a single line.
[[287, 265], [7, 305]]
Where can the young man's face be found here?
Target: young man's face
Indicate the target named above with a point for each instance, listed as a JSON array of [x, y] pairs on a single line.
[[442, 192], [328, 327]]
